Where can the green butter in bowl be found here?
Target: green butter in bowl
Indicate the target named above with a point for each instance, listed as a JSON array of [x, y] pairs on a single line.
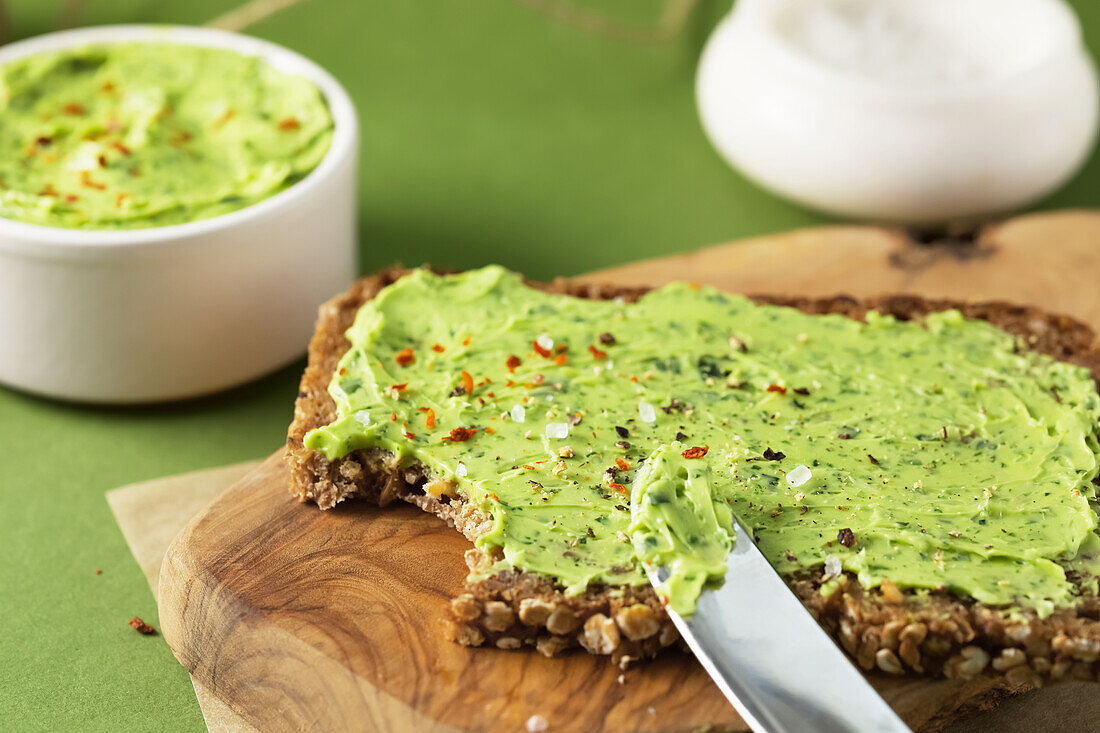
[[131, 134], [174, 203]]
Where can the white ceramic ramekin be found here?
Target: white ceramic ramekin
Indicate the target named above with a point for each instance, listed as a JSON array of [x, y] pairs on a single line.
[[178, 311], [918, 150]]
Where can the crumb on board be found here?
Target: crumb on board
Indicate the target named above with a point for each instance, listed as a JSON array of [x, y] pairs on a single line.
[[537, 724], [141, 627], [98, 571]]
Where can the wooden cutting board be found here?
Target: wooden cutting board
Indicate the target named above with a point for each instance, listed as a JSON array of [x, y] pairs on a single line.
[[301, 619]]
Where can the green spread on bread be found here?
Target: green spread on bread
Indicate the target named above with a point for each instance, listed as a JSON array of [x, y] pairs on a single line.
[[134, 135], [933, 454]]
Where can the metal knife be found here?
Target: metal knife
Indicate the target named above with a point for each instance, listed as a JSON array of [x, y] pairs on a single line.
[[770, 658]]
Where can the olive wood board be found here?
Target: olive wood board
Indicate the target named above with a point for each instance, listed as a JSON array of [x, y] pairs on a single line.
[[302, 619]]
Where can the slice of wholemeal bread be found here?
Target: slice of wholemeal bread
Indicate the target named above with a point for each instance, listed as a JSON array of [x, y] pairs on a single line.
[[934, 633]]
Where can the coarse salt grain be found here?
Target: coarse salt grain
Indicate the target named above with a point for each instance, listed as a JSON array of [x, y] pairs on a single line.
[[799, 475], [517, 413], [545, 341], [537, 724], [832, 567], [460, 470], [646, 412], [557, 430], [362, 417]]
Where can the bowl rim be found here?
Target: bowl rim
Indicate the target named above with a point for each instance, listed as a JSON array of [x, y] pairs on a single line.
[[344, 139]]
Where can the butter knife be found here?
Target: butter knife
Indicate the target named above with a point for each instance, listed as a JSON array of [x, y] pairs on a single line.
[[769, 657]]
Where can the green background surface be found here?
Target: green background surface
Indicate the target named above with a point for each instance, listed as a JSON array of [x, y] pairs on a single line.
[[491, 133]]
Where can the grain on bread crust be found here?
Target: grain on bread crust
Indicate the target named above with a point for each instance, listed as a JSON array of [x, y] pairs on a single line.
[[936, 634]]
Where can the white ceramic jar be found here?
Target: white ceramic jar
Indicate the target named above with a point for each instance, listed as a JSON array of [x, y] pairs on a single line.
[[902, 110], [178, 311]]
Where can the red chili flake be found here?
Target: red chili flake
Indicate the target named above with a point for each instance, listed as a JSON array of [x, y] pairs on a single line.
[[490, 430], [343, 371], [102, 160], [71, 197], [562, 348], [107, 87], [544, 353], [528, 466], [399, 387], [86, 180], [777, 388], [466, 341], [438, 348], [288, 124], [405, 431], [846, 537], [393, 416], [98, 571], [120, 147], [73, 108], [623, 465], [618, 487], [120, 198], [596, 353], [512, 362], [494, 497], [633, 379], [484, 381], [467, 382], [560, 359], [141, 627], [429, 418], [509, 383], [461, 435], [405, 357], [697, 451], [491, 395]]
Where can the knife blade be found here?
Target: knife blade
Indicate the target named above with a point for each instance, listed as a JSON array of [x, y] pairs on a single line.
[[771, 659]]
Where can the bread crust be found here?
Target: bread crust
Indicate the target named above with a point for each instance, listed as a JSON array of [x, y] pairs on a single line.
[[934, 634]]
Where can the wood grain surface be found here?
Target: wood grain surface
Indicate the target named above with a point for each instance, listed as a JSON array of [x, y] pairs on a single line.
[[301, 619], [1051, 260]]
